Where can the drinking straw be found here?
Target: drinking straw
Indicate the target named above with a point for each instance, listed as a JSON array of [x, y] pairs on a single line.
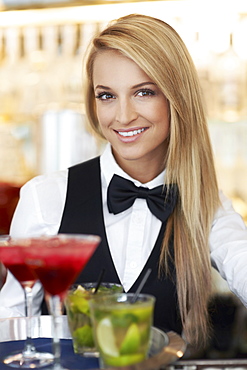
[[141, 286], [99, 280]]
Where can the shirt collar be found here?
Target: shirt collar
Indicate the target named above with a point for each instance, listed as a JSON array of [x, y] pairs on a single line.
[[109, 167]]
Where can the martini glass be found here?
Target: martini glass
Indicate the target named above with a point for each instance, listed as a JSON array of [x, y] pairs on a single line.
[[56, 262], [11, 255]]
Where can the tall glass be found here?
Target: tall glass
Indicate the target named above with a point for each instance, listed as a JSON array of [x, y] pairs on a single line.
[[56, 262], [122, 328], [78, 314], [11, 255]]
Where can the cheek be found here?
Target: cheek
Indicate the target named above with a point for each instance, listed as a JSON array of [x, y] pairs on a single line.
[[100, 116], [159, 116], [162, 122], [166, 126], [103, 116], [162, 114]]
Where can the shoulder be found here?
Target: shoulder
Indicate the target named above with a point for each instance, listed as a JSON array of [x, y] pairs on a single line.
[[40, 206], [42, 201], [57, 181], [226, 216]]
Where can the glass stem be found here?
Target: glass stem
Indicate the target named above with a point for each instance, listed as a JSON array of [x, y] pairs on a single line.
[[55, 306], [29, 347]]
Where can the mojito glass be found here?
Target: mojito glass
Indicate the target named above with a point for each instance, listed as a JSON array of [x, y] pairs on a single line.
[[121, 328], [78, 315]]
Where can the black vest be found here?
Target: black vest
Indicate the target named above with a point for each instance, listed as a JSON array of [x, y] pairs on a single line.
[[83, 214]]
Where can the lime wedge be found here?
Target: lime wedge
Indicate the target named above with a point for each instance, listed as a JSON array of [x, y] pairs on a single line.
[[79, 304], [132, 340], [106, 339]]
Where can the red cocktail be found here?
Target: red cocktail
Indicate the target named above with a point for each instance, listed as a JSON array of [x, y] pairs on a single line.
[[14, 262], [56, 262], [12, 256]]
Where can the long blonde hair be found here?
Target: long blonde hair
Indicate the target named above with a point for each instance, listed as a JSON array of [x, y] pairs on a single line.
[[159, 51]]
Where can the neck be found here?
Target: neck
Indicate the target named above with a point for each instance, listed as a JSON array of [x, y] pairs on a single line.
[[143, 171]]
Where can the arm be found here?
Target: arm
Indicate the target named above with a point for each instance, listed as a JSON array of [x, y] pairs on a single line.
[[38, 212], [228, 247]]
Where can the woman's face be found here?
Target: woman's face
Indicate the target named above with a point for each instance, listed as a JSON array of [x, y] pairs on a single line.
[[132, 111]]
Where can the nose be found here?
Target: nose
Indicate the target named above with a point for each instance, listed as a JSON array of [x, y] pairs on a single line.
[[126, 111]]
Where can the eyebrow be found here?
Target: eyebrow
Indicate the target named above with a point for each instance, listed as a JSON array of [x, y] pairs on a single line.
[[133, 87], [143, 84], [102, 87]]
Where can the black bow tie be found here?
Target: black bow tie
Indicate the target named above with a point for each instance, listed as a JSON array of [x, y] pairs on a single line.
[[122, 193]]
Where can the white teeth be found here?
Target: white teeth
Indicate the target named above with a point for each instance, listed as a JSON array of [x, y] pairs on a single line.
[[131, 133]]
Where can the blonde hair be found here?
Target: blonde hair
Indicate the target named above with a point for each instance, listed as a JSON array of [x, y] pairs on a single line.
[[159, 51]]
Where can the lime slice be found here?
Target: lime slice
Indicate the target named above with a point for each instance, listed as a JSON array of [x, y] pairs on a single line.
[[132, 340], [106, 339]]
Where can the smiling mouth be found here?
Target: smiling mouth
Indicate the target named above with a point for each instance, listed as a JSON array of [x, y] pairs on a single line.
[[131, 133]]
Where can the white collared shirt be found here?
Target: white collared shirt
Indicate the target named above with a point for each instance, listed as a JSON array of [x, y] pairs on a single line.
[[131, 234]]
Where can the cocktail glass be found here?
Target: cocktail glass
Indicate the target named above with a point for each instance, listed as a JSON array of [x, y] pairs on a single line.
[[11, 255], [56, 262], [78, 314], [121, 328]]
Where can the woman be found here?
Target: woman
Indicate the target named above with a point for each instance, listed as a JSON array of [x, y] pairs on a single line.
[[143, 97]]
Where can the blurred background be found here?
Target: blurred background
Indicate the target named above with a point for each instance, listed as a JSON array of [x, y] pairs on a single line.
[[42, 126]]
